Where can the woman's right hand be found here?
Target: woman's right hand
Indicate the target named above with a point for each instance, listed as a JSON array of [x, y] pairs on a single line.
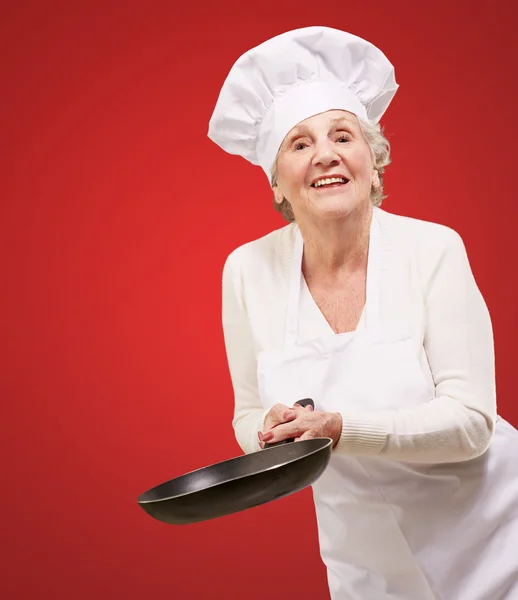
[[278, 414]]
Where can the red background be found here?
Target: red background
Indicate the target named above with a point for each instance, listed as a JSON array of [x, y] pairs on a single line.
[[118, 215]]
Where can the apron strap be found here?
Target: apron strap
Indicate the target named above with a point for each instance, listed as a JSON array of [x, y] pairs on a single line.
[[372, 291]]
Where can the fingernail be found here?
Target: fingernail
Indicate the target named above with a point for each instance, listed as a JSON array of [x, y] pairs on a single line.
[[267, 436], [260, 435]]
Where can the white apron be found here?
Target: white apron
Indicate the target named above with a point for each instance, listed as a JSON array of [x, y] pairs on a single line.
[[387, 529]]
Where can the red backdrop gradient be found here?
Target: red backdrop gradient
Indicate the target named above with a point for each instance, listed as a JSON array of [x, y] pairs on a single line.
[[118, 214]]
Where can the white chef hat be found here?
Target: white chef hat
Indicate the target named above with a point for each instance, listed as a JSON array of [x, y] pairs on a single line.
[[291, 77]]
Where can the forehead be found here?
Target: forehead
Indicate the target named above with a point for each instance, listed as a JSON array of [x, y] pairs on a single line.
[[327, 119]]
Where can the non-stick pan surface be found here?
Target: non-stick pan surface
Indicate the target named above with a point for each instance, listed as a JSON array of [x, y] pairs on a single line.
[[239, 483]]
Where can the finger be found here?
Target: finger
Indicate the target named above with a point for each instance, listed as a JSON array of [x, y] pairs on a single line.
[[282, 432], [287, 415], [290, 415], [300, 406], [274, 416], [307, 435]]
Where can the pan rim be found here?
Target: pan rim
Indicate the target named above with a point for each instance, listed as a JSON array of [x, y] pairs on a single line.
[[328, 442]]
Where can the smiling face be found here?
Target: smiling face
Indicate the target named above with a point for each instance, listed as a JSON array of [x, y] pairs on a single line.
[[325, 167]]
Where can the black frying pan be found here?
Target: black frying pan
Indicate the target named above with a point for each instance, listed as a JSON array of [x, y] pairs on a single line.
[[239, 483]]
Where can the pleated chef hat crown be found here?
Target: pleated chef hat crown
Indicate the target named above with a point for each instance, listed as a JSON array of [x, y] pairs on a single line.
[[291, 77]]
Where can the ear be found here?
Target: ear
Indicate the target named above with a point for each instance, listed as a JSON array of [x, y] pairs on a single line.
[[375, 180], [278, 195]]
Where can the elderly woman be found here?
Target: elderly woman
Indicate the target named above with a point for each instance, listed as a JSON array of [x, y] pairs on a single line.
[[378, 319]]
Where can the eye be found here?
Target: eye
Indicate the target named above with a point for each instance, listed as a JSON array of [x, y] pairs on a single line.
[[342, 136], [300, 146]]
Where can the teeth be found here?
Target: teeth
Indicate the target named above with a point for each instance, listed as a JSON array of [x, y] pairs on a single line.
[[321, 182]]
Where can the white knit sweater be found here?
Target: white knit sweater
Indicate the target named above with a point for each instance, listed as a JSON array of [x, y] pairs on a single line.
[[425, 279]]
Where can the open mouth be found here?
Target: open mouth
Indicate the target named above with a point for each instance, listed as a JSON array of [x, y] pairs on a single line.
[[330, 182]]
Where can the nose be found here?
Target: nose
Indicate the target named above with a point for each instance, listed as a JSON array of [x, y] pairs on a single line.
[[325, 154]]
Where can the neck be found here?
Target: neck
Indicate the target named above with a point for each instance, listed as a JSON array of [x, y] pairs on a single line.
[[335, 246]]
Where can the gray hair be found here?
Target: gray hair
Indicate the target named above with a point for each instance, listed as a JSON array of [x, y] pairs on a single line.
[[380, 153]]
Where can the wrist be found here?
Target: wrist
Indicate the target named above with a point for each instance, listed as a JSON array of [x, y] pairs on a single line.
[[337, 428]]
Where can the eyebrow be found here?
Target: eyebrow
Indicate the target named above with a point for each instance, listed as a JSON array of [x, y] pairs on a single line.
[[298, 132], [341, 121]]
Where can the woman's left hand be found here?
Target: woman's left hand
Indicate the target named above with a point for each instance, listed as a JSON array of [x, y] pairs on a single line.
[[304, 425]]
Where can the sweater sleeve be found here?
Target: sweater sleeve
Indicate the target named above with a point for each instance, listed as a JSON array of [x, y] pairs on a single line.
[[248, 410], [457, 424]]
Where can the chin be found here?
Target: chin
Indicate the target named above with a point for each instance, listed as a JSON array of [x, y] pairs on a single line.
[[334, 210]]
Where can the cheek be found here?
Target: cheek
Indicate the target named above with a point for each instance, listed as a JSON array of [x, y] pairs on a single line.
[[363, 167], [295, 174], [291, 175]]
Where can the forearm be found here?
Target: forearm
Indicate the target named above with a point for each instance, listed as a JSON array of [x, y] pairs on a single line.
[[443, 430], [242, 361]]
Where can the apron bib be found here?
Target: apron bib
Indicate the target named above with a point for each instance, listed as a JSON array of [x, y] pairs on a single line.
[[391, 530]]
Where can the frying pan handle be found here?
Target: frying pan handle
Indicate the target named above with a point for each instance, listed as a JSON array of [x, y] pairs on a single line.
[[303, 403]]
